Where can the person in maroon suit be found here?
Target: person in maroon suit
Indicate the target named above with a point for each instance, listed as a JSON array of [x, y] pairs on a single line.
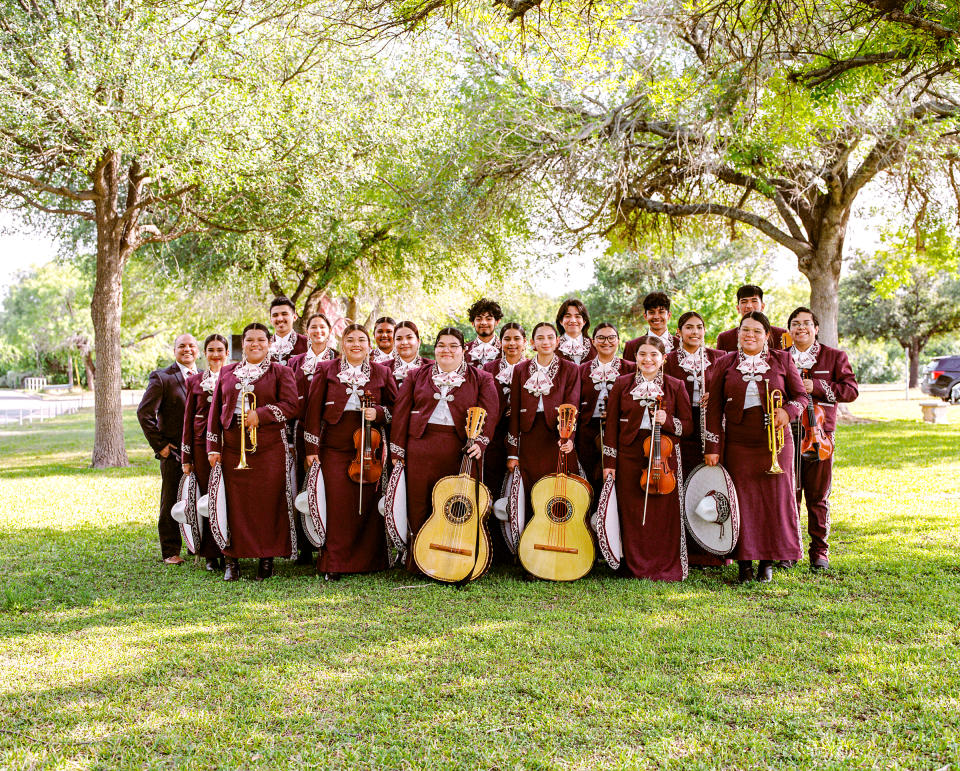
[[356, 540], [304, 366], [383, 329], [656, 311], [690, 364], [284, 342], [429, 425], [406, 351], [513, 343], [161, 418], [651, 526], [737, 409], [749, 299], [540, 385], [200, 388], [485, 347], [596, 379], [574, 344], [829, 380], [259, 498]]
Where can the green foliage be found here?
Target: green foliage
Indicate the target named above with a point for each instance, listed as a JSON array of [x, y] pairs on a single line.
[[112, 659], [875, 361]]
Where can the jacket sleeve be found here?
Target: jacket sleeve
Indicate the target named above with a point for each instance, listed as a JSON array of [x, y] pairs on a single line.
[[680, 417], [214, 423], [189, 411], [401, 418], [489, 398], [715, 404], [313, 411], [842, 388], [287, 404], [148, 409], [388, 398], [795, 400], [611, 431], [513, 432]]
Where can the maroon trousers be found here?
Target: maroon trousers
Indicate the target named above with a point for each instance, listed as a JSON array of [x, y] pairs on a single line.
[[201, 468], [815, 480], [258, 505], [356, 540]]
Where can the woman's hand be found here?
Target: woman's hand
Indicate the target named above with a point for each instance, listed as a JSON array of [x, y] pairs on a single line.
[[310, 460], [609, 473], [370, 414], [512, 463], [711, 459], [187, 468], [781, 417], [474, 451], [566, 447], [253, 420], [808, 386], [213, 458], [660, 416]]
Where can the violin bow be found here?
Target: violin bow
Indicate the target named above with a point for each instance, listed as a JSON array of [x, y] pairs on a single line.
[[646, 491], [363, 434]]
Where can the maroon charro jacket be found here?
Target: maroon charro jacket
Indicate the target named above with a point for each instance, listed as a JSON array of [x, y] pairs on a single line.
[[523, 404], [727, 341], [833, 382], [588, 389], [630, 349]]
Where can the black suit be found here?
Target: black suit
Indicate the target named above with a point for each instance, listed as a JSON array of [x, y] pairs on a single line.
[[161, 417]]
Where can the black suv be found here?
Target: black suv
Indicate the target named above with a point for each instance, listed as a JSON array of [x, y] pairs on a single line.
[[941, 377]]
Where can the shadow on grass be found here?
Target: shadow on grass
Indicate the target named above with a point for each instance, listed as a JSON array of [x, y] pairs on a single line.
[[896, 444]]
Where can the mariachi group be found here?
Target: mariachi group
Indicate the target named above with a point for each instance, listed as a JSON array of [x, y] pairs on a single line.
[[672, 455]]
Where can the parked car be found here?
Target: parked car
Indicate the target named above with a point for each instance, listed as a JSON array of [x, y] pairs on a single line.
[[941, 377]]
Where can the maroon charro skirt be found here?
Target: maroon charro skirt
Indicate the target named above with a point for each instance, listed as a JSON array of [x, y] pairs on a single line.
[[657, 548], [356, 538], [769, 525], [539, 453], [258, 505]]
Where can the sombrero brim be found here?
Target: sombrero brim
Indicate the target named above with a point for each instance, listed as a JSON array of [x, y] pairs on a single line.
[[217, 508], [607, 519]]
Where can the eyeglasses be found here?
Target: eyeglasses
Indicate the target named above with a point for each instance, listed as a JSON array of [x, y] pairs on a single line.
[[446, 347], [802, 324], [606, 338]]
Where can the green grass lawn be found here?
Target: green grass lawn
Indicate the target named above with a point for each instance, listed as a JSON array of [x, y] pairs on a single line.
[[110, 659]]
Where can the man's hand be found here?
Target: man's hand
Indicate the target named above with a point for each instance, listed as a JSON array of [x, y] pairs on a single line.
[[808, 386], [474, 451], [165, 452], [566, 447]]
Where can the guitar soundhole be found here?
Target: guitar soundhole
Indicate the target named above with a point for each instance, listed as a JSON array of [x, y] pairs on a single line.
[[559, 510], [458, 509]]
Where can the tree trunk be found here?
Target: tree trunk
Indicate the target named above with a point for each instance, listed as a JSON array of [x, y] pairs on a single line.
[[352, 309], [913, 356], [89, 369], [822, 270]]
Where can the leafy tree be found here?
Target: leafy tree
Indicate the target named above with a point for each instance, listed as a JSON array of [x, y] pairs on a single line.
[[924, 302]]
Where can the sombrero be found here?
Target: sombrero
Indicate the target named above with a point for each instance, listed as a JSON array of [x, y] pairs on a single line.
[[393, 507], [607, 523], [711, 512], [184, 512], [312, 505], [217, 508]]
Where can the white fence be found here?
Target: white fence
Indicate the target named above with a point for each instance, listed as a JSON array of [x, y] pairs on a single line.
[[18, 408], [34, 383]]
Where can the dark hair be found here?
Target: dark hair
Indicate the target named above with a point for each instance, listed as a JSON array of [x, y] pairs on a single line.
[[543, 324], [256, 325], [605, 325], [484, 305], [385, 320], [513, 325], [453, 332], [575, 303], [656, 342], [685, 317], [354, 328], [218, 338], [803, 309], [749, 290], [656, 300], [318, 316], [756, 316], [283, 300], [407, 325]]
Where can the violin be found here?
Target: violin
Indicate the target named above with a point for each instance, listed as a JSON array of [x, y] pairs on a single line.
[[367, 465], [657, 478], [815, 444]]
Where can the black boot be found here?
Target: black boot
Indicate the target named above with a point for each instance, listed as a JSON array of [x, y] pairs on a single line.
[[264, 568], [214, 564], [765, 571], [745, 571], [232, 572]]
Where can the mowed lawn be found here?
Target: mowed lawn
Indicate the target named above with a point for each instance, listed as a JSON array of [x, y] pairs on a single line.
[[109, 659]]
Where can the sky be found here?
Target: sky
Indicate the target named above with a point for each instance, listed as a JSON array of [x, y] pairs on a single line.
[[21, 248]]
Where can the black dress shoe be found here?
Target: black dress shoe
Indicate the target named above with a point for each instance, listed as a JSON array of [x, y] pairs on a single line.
[[745, 572], [264, 568], [785, 564], [305, 557], [331, 576], [232, 572], [819, 565], [765, 571], [213, 564]]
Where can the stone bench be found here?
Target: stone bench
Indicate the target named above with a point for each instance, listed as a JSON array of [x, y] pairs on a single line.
[[934, 411]]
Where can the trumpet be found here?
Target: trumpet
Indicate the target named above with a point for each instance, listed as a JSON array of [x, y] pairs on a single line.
[[248, 401], [775, 436]]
